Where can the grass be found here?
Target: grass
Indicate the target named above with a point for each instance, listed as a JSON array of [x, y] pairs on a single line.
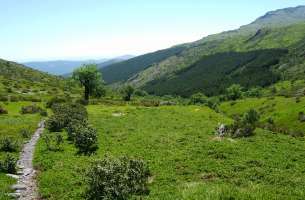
[[10, 126], [283, 111], [185, 158]]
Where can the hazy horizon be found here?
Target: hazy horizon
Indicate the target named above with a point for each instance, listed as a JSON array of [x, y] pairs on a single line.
[[73, 30]]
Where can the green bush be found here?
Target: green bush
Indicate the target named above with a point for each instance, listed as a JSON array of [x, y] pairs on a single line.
[[3, 111], [234, 92], [140, 93], [127, 92], [117, 179], [8, 165], [25, 133], [8, 145], [31, 109], [73, 127], [245, 126], [86, 140], [55, 123], [53, 141], [55, 100], [198, 98]]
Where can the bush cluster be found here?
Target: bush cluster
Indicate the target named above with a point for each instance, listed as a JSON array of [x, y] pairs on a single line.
[[246, 125], [73, 118], [8, 145], [8, 165], [117, 179], [33, 109]]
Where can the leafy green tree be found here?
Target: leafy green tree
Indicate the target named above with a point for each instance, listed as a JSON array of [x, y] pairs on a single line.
[[127, 92], [234, 92], [89, 77], [198, 98]]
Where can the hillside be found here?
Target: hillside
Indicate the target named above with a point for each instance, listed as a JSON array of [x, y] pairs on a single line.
[[19, 81], [277, 29]]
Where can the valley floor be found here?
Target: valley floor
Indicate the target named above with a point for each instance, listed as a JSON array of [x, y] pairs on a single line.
[[187, 161]]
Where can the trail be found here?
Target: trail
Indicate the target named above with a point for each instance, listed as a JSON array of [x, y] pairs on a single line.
[[26, 188]]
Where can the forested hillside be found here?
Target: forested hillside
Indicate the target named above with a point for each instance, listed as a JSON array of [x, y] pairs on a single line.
[[281, 29]]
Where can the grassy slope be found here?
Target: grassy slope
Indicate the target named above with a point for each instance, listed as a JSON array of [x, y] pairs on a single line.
[[10, 125], [19, 81], [284, 111], [186, 161]]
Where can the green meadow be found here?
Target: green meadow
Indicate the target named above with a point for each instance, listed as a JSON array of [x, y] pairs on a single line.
[[10, 126], [186, 159]]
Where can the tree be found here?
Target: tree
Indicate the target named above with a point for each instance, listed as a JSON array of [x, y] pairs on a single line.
[[89, 77], [234, 92], [127, 92]]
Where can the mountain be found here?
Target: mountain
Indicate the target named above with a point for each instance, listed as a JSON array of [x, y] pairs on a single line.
[[276, 31], [61, 67]]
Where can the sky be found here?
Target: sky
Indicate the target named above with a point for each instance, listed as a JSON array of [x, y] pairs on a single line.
[[32, 30]]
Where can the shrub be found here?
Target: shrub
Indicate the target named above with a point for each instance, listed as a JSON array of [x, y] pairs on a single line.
[[55, 123], [86, 140], [117, 179], [25, 133], [234, 92], [140, 93], [245, 126], [31, 109], [73, 127], [127, 92], [43, 113], [198, 98], [55, 100], [301, 117], [8, 165], [3, 111], [8, 145], [254, 92]]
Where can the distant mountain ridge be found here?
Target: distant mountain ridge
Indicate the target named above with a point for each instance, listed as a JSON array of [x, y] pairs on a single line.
[[61, 67], [280, 29]]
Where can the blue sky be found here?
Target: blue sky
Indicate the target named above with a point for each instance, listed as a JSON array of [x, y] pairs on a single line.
[[81, 29]]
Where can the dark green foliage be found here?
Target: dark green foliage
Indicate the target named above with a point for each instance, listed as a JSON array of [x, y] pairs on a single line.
[[140, 93], [125, 70], [245, 126], [86, 140], [99, 91], [31, 109], [254, 92], [8, 165], [73, 127], [117, 179], [3, 111], [90, 78], [8, 145], [214, 73], [198, 98], [127, 92], [64, 114], [301, 117], [55, 100], [25, 133]]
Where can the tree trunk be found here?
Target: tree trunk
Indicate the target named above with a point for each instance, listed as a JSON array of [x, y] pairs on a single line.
[[86, 94]]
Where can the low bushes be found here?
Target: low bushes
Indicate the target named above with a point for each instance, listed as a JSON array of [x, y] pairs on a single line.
[[8, 165], [117, 179], [33, 109], [242, 127], [3, 111], [74, 119], [53, 141], [8, 145]]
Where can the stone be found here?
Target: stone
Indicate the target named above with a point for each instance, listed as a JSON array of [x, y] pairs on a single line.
[[19, 187], [13, 176]]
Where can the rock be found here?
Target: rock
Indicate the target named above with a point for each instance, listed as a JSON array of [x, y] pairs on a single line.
[[14, 195], [19, 187], [13, 176]]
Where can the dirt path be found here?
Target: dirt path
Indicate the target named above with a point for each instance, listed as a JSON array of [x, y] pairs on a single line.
[[26, 188]]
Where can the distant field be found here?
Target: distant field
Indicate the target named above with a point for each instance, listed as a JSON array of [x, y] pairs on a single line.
[[186, 160], [10, 126]]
